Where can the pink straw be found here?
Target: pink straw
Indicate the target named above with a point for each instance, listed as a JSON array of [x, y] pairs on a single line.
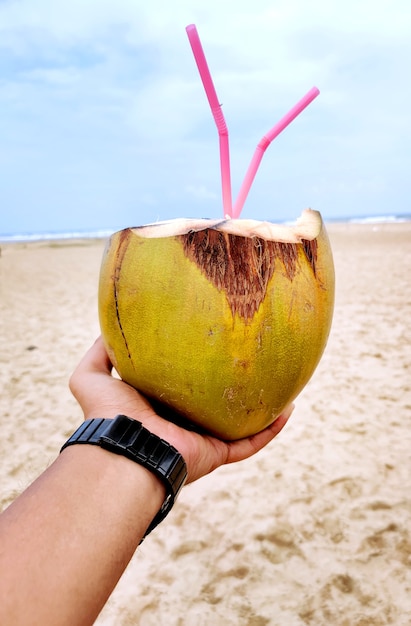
[[263, 145], [217, 114]]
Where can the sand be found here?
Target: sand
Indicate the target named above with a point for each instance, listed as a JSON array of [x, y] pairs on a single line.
[[316, 528]]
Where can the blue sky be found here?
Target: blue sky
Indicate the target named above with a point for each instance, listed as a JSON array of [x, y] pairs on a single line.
[[104, 122]]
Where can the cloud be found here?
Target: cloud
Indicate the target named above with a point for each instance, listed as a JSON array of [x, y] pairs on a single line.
[[200, 192]]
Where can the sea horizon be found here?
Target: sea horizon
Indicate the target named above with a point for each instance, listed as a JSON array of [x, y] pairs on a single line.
[[33, 236]]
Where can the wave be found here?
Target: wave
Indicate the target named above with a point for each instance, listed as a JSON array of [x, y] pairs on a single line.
[[105, 233], [380, 219], [53, 236]]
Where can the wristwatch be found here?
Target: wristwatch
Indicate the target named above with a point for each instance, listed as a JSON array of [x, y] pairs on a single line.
[[128, 437]]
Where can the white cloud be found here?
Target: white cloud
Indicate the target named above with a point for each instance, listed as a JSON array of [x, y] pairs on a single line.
[[201, 192]]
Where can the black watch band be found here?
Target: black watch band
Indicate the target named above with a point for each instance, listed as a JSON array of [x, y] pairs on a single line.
[[128, 437]]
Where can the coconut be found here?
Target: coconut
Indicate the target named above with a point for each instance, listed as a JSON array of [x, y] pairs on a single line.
[[221, 321]]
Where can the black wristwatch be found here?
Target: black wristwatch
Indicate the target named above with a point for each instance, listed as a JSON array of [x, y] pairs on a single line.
[[128, 437]]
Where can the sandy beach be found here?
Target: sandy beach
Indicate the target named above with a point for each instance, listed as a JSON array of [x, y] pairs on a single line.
[[315, 530]]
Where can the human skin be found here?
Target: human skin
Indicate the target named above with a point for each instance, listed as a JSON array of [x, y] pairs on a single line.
[[67, 539]]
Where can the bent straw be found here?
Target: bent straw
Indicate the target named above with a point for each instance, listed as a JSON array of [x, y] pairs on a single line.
[[263, 145], [217, 114]]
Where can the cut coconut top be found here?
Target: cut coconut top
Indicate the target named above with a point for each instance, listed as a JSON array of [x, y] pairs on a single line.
[[307, 226]]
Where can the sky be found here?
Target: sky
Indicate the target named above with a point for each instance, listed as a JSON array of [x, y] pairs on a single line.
[[104, 122]]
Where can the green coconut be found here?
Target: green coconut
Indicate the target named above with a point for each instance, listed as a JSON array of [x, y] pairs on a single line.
[[221, 321]]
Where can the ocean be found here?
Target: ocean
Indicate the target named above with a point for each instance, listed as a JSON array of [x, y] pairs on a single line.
[[103, 234]]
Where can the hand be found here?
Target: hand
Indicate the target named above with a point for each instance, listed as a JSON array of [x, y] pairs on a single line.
[[101, 395]]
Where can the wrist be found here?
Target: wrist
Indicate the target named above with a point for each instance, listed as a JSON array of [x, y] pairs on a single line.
[[115, 476], [128, 438], [126, 495]]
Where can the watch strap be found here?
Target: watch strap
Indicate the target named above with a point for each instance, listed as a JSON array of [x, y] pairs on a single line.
[[127, 437]]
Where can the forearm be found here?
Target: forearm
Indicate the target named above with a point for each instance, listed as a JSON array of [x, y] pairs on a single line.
[[79, 524], [65, 542]]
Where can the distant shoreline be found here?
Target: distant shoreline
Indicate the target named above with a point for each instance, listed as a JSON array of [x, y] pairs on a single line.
[[71, 236]]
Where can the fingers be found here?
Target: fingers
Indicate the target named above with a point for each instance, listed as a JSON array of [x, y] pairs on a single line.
[[244, 448], [95, 360]]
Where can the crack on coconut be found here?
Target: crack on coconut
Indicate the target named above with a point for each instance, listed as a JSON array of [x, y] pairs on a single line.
[[243, 266], [121, 251], [311, 252]]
